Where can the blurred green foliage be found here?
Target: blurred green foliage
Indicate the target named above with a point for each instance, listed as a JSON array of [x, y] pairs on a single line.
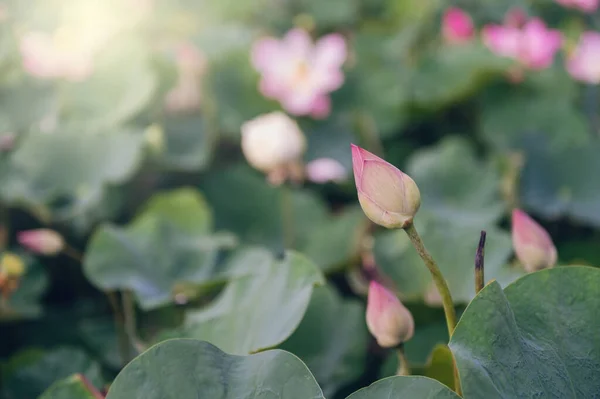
[[160, 203]]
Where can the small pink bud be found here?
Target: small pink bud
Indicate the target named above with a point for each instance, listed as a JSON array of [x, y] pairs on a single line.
[[457, 26], [532, 244], [387, 319], [41, 241], [387, 196], [324, 170]]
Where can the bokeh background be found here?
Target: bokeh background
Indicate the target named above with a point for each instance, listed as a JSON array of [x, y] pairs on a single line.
[[179, 147]]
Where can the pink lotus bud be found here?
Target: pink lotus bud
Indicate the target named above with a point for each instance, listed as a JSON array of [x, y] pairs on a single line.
[[41, 241], [532, 244], [583, 5], [271, 141], [387, 319], [387, 196], [457, 26], [323, 170], [584, 63]]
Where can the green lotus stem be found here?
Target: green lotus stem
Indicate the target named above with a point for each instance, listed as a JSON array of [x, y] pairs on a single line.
[[131, 321], [441, 285], [287, 216], [122, 339], [403, 366], [438, 279], [479, 263]]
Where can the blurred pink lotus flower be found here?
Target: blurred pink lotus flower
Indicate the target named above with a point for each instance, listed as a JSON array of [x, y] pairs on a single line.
[[186, 95], [55, 56], [457, 26], [41, 241], [298, 73], [532, 244], [387, 196], [515, 17], [7, 141], [387, 319], [533, 45], [583, 5], [323, 170], [584, 63]]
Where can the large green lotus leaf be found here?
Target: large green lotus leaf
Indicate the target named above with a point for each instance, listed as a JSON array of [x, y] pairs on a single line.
[[198, 369], [188, 143], [454, 185], [335, 241], [405, 387], [545, 103], [558, 182], [452, 73], [537, 338], [260, 309], [453, 247], [170, 242], [70, 165], [332, 339], [24, 303], [29, 373], [24, 104], [72, 387], [121, 86], [233, 85], [246, 205]]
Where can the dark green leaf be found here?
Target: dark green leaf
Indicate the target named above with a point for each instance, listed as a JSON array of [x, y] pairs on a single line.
[[29, 373], [332, 339], [453, 72], [562, 182], [168, 243], [259, 309], [537, 338], [246, 205], [75, 165], [200, 370], [405, 387], [455, 186], [335, 241]]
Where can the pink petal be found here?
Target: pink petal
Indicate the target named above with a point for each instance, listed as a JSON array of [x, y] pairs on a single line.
[[457, 25], [584, 63], [298, 43], [502, 40], [539, 44], [299, 103], [264, 52], [330, 52], [321, 107]]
